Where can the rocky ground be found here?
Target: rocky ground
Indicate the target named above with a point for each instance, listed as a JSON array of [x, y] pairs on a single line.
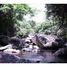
[[37, 48]]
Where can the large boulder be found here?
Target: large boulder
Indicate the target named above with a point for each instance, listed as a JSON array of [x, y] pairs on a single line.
[[8, 58], [45, 41], [9, 46], [4, 40], [17, 43], [62, 53], [49, 41], [33, 39], [12, 51], [60, 42]]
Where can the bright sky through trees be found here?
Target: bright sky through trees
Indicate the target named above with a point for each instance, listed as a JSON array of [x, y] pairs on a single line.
[[40, 15]]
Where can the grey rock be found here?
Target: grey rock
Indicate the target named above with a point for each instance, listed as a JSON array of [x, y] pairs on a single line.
[[62, 53], [17, 43], [8, 58], [4, 40]]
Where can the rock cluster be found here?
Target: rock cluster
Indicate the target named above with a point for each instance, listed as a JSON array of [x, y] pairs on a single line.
[[13, 48]]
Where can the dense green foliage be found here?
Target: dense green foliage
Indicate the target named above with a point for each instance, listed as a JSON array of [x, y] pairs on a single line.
[[12, 21], [6, 20], [58, 11]]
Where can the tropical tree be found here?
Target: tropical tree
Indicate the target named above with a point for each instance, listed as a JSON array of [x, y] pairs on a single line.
[[10, 15], [58, 11]]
